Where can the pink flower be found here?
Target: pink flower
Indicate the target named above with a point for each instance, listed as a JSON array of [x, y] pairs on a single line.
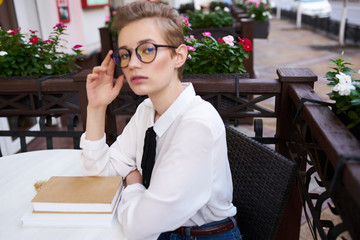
[[77, 46], [192, 37], [256, 2], [189, 57], [206, 34], [229, 40], [185, 20], [190, 48], [107, 19], [114, 12], [49, 41], [60, 25], [220, 40]]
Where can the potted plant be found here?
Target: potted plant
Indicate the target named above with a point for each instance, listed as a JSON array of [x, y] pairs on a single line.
[[221, 59], [260, 12], [215, 56], [346, 94], [22, 55]]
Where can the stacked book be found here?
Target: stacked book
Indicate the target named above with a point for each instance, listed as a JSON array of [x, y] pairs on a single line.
[[75, 202]]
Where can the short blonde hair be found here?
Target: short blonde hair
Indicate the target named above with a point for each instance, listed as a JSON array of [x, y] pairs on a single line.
[[167, 18]]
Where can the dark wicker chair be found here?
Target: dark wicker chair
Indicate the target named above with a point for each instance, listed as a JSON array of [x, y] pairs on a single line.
[[262, 179]]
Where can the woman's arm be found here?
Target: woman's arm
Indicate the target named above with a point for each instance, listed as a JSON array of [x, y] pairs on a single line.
[[101, 91]]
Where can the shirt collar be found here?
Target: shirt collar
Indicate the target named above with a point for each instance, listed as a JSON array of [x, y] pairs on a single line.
[[175, 109]]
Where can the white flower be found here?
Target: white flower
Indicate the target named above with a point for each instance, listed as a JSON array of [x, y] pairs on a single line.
[[217, 8], [226, 9], [3, 53], [229, 40], [344, 86], [252, 15], [48, 66]]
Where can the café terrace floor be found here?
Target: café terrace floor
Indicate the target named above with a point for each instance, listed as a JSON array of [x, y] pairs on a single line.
[[286, 47]]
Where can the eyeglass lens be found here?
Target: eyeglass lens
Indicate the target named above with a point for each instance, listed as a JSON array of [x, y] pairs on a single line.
[[146, 53]]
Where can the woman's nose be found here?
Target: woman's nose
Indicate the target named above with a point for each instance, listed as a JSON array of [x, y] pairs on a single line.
[[134, 60]]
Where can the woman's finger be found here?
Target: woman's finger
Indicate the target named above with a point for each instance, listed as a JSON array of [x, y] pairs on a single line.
[[99, 69], [107, 59], [111, 68]]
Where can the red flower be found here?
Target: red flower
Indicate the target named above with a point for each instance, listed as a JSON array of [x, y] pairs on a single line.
[[247, 45], [34, 40], [33, 31], [13, 32], [220, 40], [241, 41]]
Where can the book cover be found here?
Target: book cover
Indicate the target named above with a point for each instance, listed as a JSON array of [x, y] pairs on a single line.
[[33, 219], [78, 194]]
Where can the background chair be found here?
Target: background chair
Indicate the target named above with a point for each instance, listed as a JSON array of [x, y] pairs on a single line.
[[262, 179]]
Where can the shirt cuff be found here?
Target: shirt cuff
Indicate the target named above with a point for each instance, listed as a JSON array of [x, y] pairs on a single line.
[[92, 145]]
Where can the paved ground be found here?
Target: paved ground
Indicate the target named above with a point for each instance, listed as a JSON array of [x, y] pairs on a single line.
[[287, 46]]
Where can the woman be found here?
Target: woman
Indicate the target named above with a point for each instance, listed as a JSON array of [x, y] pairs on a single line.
[[190, 191]]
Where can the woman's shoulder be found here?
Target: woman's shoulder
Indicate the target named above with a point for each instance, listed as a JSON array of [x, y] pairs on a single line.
[[203, 113]]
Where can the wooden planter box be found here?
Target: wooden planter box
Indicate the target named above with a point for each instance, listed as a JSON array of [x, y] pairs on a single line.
[[261, 29], [215, 32]]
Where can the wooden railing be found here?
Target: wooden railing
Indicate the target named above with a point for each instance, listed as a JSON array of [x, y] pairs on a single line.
[[40, 99], [328, 156]]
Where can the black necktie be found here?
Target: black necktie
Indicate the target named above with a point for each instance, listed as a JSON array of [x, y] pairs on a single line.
[[148, 158]]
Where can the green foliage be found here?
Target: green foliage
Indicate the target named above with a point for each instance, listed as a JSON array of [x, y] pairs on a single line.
[[347, 102], [21, 56], [213, 19]]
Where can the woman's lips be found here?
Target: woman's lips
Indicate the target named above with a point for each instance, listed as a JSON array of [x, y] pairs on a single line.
[[137, 79]]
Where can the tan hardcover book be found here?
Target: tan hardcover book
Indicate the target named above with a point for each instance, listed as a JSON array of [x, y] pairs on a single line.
[[78, 195]]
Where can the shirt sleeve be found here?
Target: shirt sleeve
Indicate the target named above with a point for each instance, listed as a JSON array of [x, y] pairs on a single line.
[[98, 159], [181, 183]]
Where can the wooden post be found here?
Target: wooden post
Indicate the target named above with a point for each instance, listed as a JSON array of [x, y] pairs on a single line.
[[290, 223], [106, 41]]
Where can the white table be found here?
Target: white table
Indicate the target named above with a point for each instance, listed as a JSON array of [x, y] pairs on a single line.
[[18, 173]]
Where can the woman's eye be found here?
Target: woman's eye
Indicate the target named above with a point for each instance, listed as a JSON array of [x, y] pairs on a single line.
[[124, 56], [149, 50]]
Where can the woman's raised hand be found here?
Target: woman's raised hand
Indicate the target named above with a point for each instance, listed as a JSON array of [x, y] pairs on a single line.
[[100, 87]]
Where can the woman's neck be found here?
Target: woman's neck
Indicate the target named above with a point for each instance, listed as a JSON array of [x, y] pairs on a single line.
[[163, 100]]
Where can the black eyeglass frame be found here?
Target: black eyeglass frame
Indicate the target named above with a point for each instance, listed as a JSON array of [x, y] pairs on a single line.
[[116, 52]]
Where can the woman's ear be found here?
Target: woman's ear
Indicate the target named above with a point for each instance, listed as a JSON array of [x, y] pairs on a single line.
[[181, 55]]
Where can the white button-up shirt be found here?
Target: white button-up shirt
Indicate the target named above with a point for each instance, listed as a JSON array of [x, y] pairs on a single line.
[[191, 180]]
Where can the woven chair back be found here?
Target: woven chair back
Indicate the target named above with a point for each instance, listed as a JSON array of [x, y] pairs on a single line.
[[262, 179]]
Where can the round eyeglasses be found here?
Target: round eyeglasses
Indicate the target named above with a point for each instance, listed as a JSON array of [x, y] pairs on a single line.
[[145, 52]]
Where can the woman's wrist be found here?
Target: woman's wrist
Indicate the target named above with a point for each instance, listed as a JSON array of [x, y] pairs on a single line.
[[133, 177]]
